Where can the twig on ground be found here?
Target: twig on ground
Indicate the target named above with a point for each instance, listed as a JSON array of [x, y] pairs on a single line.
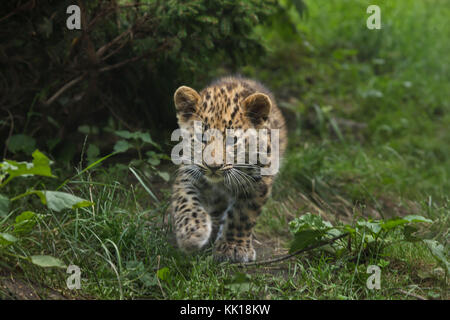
[[288, 256], [157, 279], [419, 297]]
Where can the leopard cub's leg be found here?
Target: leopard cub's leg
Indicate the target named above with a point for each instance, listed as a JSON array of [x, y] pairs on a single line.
[[235, 243], [191, 221]]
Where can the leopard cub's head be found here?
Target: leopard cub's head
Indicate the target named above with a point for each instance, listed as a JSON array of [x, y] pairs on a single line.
[[218, 117]]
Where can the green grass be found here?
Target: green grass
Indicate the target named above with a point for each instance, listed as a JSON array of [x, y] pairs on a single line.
[[393, 84], [123, 241]]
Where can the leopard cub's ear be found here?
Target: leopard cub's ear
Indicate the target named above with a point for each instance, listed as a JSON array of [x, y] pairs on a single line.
[[257, 108], [186, 101]]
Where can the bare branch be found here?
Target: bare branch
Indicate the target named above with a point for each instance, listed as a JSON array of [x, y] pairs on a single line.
[[64, 88], [288, 256]]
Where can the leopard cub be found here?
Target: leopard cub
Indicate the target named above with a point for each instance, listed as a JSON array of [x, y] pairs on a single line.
[[219, 201]]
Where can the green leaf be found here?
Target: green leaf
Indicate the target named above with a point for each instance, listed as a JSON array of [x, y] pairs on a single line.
[[417, 218], [58, 201], [439, 253], [6, 238], [164, 175], [92, 153], [304, 239], [25, 222], [309, 221], [4, 205], [163, 273], [154, 161], [373, 227], [21, 142], [392, 223], [138, 135], [47, 261], [144, 136], [124, 134], [40, 167], [85, 129], [121, 146]]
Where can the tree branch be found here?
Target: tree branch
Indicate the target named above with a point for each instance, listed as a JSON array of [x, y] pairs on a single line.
[[288, 256]]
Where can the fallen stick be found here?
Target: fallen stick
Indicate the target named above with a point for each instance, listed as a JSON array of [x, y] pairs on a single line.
[[288, 256]]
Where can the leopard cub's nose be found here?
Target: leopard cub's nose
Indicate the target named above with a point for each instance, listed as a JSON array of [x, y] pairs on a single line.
[[213, 167]]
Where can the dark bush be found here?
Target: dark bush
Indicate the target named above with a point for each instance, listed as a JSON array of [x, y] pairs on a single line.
[[121, 68]]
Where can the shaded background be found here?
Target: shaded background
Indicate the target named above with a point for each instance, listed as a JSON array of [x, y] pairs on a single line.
[[368, 119]]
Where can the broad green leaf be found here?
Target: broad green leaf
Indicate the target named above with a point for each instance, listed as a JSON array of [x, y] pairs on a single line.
[[92, 153], [40, 166], [154, 161], [143, 136], [21, 142], [373, 227], [58, 201], [124, 134], [25, 222], [417, 218], [392, 223], [304, 239], [439, 253], [84, 129], [4, 205], [163, 273], [88, 129], [121, 146], [164, 175], [395, 222], [47, 261], [6, 238], [309, 221], [138, 135]]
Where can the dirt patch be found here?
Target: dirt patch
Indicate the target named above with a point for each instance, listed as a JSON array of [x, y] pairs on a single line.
[[14, 288]]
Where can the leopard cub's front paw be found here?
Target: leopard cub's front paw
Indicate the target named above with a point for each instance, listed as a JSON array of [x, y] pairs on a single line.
[[193, 237], [234, 252]]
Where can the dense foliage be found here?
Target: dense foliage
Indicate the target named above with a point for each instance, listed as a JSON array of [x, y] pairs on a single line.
[[121, 69], [366, 173]]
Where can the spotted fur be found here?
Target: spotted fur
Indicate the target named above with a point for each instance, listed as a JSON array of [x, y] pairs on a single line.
[[220, 204]]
